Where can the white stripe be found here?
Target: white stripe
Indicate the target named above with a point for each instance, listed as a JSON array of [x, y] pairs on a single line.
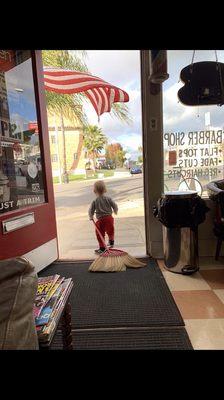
[[74, 85], [105, 99], [112, 95], [92, 95], [58, 69], [99, 102], [121, 94], [71, 76]]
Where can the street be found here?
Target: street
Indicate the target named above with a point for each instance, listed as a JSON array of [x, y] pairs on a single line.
[[76, 233]]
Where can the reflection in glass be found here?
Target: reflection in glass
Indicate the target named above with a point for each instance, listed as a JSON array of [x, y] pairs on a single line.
[[21, 179], [193, 136]]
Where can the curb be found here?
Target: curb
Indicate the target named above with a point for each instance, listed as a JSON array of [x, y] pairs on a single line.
[[95, 179]]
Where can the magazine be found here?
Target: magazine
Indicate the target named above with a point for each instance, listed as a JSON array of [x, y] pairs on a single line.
[[44, 286], [64, 289], [46, 311], [46, 331], [54, 288]]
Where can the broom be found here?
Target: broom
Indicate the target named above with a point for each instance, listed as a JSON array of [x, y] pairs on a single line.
[[113, 260]]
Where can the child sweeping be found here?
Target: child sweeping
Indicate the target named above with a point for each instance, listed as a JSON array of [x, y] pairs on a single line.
[[104, 207]]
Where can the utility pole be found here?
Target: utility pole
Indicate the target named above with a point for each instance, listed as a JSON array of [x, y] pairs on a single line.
[[57, 143], [65, 172]]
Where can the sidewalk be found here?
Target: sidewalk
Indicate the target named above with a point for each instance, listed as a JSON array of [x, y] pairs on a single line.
[[77, 236], [117, 175]]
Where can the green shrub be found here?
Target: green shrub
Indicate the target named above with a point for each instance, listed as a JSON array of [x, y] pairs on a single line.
[[82, 177]]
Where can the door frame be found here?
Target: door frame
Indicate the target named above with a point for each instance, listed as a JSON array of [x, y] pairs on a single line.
[[153, 156], [152, 128], [35, 236]]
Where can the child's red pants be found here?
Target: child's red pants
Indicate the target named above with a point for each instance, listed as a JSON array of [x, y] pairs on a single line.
[[105, 225]]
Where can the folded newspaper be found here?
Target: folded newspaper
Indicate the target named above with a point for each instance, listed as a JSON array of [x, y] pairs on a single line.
[[51, 306]]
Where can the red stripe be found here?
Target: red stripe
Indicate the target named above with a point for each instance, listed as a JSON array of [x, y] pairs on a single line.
[[93, 101], [102, 102], [86, 87], [67, 73], [97, 97], [107, 103], [79, 89], [117, 95], [63, 91]]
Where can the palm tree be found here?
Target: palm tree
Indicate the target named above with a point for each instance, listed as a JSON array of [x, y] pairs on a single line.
[[140, 157], [65, 105], [121, 112], [94, 141]]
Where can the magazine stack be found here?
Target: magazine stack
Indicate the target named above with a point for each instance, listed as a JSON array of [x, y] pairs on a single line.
[[52, 294]]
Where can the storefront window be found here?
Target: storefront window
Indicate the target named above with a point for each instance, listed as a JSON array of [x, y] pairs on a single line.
[[193, 135], [21, 178]]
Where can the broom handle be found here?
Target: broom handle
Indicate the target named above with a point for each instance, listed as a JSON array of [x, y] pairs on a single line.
[[101, 237]]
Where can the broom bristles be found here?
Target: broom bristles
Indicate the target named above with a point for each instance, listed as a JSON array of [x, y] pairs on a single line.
[[114, 261], [107, 264], [132, 262]]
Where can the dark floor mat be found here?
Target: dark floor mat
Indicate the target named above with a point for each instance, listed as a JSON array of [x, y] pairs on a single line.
[[135, 298], [134, 339]]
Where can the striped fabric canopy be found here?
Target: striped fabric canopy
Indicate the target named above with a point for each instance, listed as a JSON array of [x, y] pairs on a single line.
[[101, 93]]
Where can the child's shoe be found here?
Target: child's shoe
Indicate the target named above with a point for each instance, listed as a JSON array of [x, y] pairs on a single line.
[[111, 244], [100, 250]]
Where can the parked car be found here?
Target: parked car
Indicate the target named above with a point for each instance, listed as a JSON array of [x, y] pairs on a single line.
[[136, 170]]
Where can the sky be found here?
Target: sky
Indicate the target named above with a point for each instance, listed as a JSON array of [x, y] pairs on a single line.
[[122, 69], [178, 117]]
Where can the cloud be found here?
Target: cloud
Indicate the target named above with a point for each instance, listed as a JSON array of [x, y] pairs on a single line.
[[121, 68], [180, 118], [130, 142], [21, 77], [175, 113]]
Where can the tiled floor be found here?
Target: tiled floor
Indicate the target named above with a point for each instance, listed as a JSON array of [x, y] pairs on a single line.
[[200, 299]]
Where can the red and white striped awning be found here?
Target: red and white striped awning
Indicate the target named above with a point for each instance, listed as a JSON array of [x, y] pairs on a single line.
[[101, 93]]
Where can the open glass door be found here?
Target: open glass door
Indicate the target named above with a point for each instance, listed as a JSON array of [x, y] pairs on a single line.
[[27, 212], [193, 139]]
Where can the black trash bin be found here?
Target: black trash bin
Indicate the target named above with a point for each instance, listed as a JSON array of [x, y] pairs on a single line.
[[216, 194], [181, 213]]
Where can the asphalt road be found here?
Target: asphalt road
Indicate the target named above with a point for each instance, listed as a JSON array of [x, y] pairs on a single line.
[[77, 196]]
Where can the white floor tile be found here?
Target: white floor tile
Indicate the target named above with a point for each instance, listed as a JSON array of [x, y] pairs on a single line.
[[185, 282], [206, 334], [220, 294]]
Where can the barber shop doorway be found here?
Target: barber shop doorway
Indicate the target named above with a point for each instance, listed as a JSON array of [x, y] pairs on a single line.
[[117, 159]]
